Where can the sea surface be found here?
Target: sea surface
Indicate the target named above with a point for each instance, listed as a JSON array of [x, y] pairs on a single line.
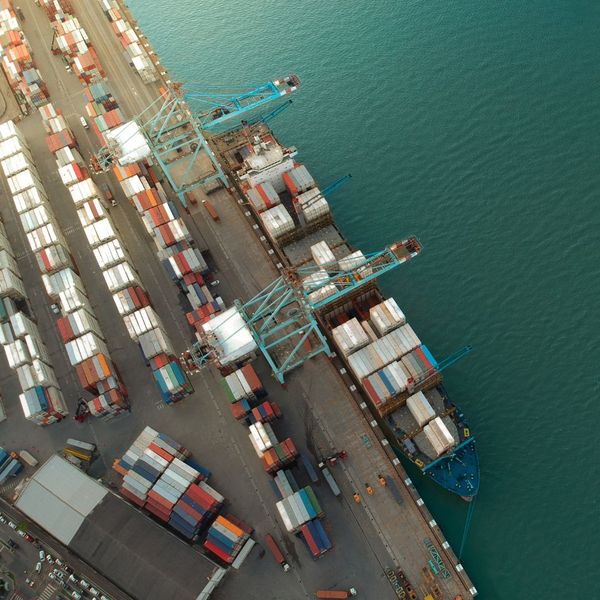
[[474, 125]]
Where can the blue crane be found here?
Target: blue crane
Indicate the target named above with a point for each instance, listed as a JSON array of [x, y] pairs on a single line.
[[220, 108], [282, 318]]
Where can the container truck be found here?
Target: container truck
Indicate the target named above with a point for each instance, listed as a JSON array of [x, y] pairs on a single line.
[[276, 552], [330, 480], [336, 593], [11, 468], [26, 457]]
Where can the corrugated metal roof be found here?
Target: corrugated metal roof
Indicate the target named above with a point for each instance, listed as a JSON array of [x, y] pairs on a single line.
[[59, 497]]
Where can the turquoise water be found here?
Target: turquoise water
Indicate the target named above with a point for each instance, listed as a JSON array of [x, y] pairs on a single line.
[[475, 126]]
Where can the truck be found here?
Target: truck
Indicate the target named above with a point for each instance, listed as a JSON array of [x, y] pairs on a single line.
[[336, 593], [276, 552], [330, 480], [10, 468], [26, 457]]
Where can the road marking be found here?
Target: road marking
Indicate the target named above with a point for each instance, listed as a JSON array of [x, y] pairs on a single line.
[[48, 592]]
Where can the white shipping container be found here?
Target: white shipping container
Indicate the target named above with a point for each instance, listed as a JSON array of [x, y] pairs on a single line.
[[8, 129], [109, 254], [312, 205], [23, 181], [84, 347], [387, 316], [439, 436], [11, 285], [22, 325], [120, 276], [420, 409], [42, 237], [322, 293], [350, 336], [322, 255], [35, 218], [17, 354], [84, 190], [91, 211], [12, 146], [17, 163], [29, 199], [99, 232], [53, 258], [73, 299], [277, 221], [132, 186], [66, 156], [62, 280], [7, 261], [36, 348], [141, 321], [155, 342]]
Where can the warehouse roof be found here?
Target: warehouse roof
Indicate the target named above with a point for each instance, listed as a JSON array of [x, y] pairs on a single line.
[[142, 558], [59, 497], [139, 556]]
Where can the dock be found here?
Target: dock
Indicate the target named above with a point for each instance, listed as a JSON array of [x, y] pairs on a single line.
[[388, 532]]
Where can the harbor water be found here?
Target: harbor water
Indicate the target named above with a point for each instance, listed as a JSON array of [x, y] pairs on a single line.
[[474, 126]]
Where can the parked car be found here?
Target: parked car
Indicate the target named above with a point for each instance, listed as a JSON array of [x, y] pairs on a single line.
[[42, 555], [38, 567]]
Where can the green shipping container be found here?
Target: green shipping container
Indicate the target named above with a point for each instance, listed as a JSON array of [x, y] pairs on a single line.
[[228, 391], [313, 500]]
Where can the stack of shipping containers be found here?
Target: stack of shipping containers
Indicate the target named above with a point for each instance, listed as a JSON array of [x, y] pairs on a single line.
[[71, 40], [298, 507], [133, 49], [159, 476], [41, 399], [24, 79], [84, 342]]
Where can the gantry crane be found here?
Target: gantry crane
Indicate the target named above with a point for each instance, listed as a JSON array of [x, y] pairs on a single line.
[[282, 318], [171, 130], [220, 108]]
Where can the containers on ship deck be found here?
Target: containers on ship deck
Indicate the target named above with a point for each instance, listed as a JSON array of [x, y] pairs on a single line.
[[350, 336], [322, 255], [383, 351], [386, 316], [420, 409], [277, 221], [311, 205], [386, 383], [263, 197], [298, 180], [439, 436]]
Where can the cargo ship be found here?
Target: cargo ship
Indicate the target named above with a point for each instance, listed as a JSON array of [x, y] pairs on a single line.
[[395, 372]]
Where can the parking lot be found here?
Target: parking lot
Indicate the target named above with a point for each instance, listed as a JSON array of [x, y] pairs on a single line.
[[34, 572]]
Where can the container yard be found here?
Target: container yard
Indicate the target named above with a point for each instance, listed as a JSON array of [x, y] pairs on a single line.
[[106, 287]]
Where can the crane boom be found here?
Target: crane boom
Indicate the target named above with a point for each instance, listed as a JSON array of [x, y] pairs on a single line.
[[217, 107]]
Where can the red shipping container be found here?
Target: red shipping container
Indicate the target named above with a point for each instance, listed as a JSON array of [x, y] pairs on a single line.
[[131, 497], [160, 451], [200, 496], [163, 516], [189, 510], [237, 410], [252, 378], [157, 499], [314, 549], [218, 552]]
